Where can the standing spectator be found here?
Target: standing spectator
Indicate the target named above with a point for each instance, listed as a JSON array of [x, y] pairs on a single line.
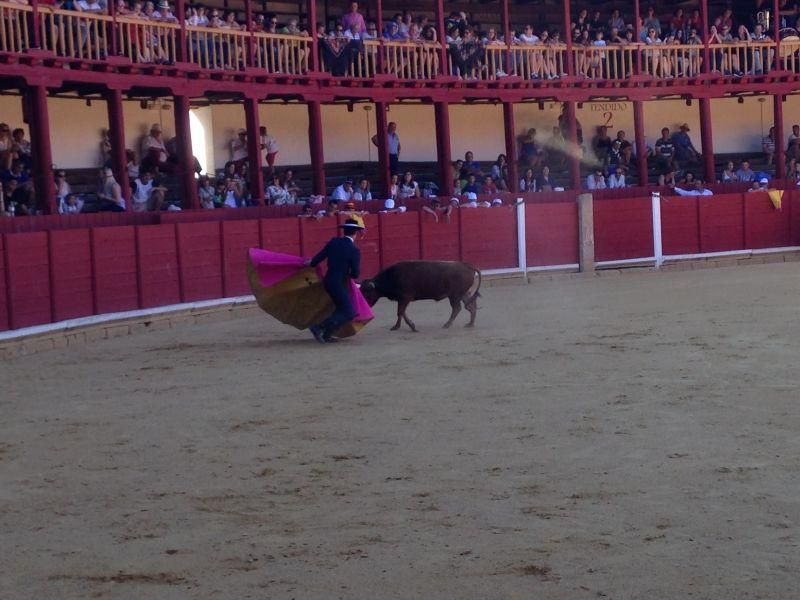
[[105, 148], [617, 179], [110, 193], [408, 187], [792, 147], [602, 145], [344, 192], [685, 151], [530, 152], [21, 148], [269, 147], [500, 172], [768, 146], [665, 150], [239, 149], [528, 182], [362, 193], [745, 173], [276, 193], [354, 18], [393, 142]]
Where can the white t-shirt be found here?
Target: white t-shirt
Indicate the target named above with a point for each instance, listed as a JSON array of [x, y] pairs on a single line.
[[239, 149], [230, 199], [89, 6], [529, 39], [615, 181], [342, 194], [358, 195], [141, 194]]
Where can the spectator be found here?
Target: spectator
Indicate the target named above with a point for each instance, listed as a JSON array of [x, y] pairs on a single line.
[[276, 193], [620, 148], [602, 145], [206, 193], [130, 165], [436, 209], [362, 193], [389, 206], [667, 178], [70, 205], [596, 181], [110, 193], [529, 150], [699, 190], [471, 186], [147, 194], [688, 179], [269, 147], [458, 180], [62, 187], [665, 150], [290, 185], [239, 149], [528, 182], [685, 151], [354, 18], [792, 147], [344, 192], [651, 21], [544, 183], [154, 152], [760, 185], [17, 172], [21, 148], [332, 210], [617, 179], [307, 212], [488, 187], [408, 187], [745, 173], [470, 166], [234, 196], [6, 147], [17, 200], [500, 172], [728, 174], [768, 146], [105, 148], [393, 142]]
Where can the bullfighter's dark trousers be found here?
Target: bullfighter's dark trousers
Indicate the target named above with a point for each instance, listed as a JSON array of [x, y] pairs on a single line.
[[343, 311]]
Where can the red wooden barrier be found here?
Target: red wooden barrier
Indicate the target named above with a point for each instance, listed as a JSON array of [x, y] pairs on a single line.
[[114, 269], [623, 229], [237, 238], [791, 202], [765, 226], [441, 241], [281, 235], [157, 254], [489, 237], [369, 244], [200, 260], [315, 234], [399, 237], [551, 233], [680, 229], [4, 304], [28, 264], [721, 223], [71, 273]]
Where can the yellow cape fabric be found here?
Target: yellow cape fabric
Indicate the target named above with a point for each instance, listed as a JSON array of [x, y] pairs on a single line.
[[777, 198], [299, 300]]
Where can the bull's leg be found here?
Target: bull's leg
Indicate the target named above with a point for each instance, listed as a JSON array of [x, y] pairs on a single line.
[[471, 304], [401, 308], [455, 303]]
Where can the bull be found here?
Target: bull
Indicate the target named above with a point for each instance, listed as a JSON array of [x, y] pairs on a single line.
[[412, 280]]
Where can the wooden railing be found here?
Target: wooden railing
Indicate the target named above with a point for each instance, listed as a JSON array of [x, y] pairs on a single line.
[[605, 62], [790, 55], [217, 49], [745, 58], [278, 53], [365, 63], [538, 61], [147, 41], [14, 27], [415, 60], [74, 34]]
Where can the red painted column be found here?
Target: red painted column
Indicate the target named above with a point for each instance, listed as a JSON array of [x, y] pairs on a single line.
[[776, 33], [511, 146], [112, 30], [39, 122], [641, 148], [255, 166], [637, 32], [315, 147], [183, 134], [443, 65], [707, 139], [443, 147], [568, 38], [379, 25], [116, 130], [36, 22], [574, 153], [180, 12], [382, 125], [506, 31], [704, 34], [251, 44], [780, 145], [312, 31]]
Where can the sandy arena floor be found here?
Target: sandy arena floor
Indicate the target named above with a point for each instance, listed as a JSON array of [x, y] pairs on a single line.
[[623, 437]]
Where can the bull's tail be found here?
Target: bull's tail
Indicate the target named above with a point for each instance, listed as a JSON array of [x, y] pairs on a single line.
[[474, 294]]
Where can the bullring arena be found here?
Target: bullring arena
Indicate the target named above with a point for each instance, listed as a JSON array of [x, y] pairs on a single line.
[[630, 435]]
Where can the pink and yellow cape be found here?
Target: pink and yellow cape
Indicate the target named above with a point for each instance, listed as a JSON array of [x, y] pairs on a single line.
[[293, 293]]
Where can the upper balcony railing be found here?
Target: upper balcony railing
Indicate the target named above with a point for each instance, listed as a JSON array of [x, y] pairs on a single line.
[[94, 37]]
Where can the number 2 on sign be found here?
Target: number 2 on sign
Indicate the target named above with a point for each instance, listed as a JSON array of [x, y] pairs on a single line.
[[608, 116]]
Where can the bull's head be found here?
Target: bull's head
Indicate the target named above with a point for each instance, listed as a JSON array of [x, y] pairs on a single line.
[[369, 291]]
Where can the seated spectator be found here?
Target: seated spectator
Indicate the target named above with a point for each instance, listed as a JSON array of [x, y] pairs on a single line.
[[344, 192], [688, 179], [147, 193], [276, 193], [619, 147], [408, 187], [234, 196], [70, 205], [617, 179], [390, 206], [21, 148], [331, 211], [362, 193], [667, 178], [307, 212], [699, 189], [528, 182], [239, 149], [130, 165], [17, 172], [728, 174], [15, 200], [760, 185], [63, 188], [394, 187], [543, 182], [206, 193], [768, 146], [471, 187], [500, 172], [6, 147], [110, 193], [154, 151], [457, 169], [792, 147], [596, 181], [745, 173], [497, 203], [488, 187], [685, 152], [665, 150], [470, 166], [231, 172]]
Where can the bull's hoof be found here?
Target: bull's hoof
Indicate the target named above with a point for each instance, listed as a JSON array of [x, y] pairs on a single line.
[[395, 328], [470, 325], [414, 330], [446, 325]]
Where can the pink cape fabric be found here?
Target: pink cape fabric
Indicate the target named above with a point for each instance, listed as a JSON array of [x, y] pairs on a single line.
[[274, 267]]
